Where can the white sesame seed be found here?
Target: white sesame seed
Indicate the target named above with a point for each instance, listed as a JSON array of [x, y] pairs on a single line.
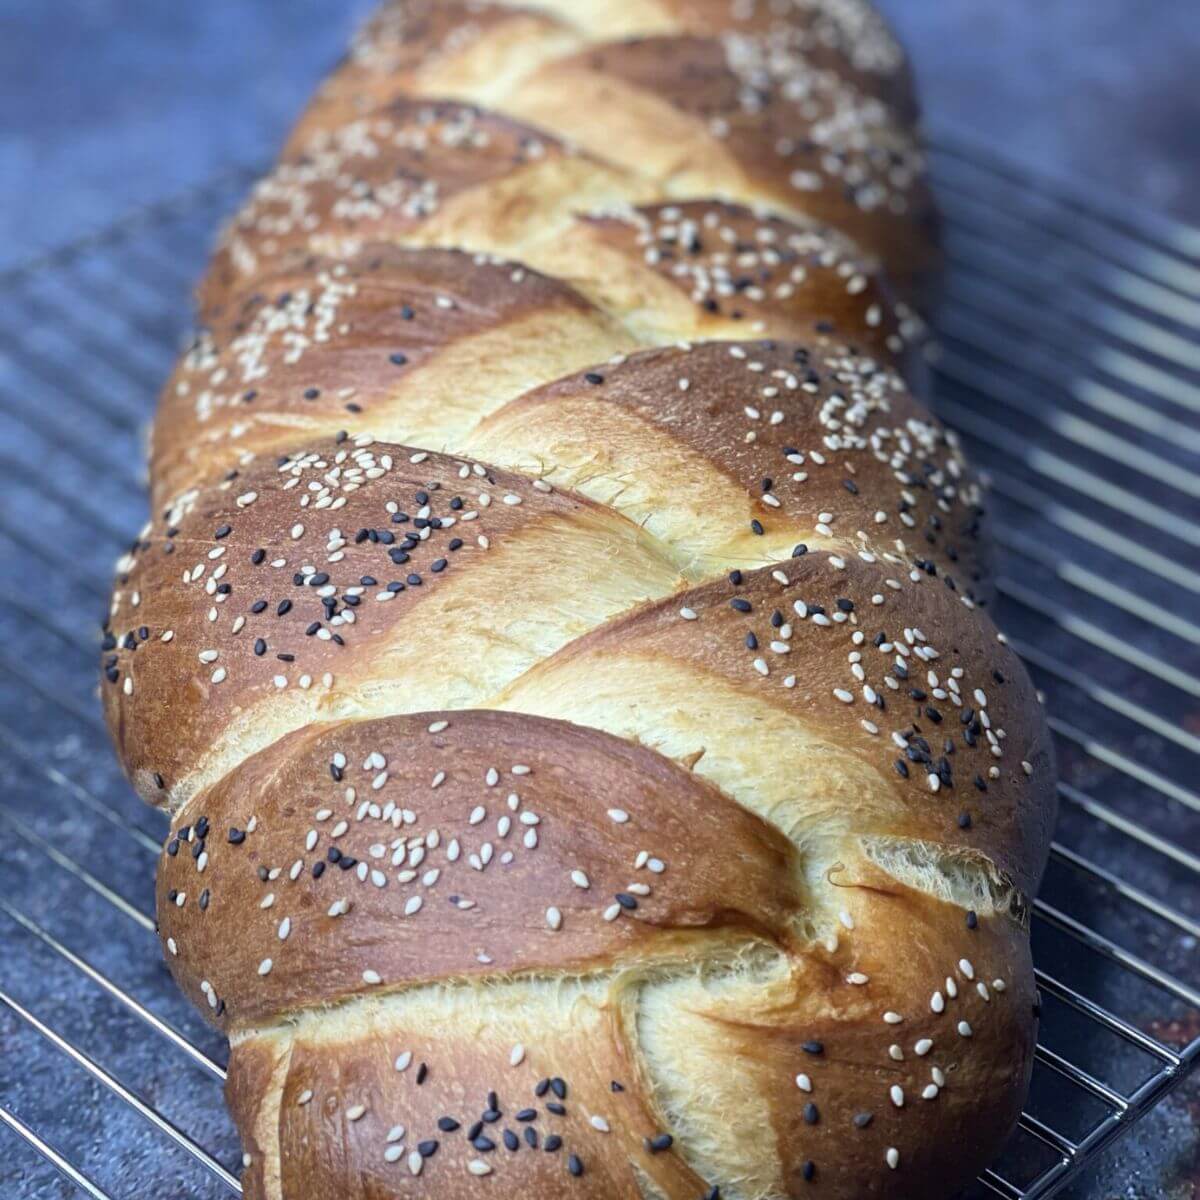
[[892, 1158], [403, 1060], [804, 1083], [619, 815], [897, 1094], [264, 967], [923, 1047], [964, 1029], [355, 1112], [554, 918], [370, 976]]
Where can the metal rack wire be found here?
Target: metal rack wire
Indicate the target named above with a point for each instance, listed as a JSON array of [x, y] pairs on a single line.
[[1071, 366]]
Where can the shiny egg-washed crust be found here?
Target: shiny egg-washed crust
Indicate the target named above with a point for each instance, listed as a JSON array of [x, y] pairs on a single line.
[[279, 599], [746, 118], [832, 694], [413, 342], [558, 642], [736, 453], [847, 35], [301, 353], [558, 1017], [768, 109], [418, 173]]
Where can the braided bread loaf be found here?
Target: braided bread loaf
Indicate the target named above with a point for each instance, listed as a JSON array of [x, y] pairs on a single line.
[[558, 643]]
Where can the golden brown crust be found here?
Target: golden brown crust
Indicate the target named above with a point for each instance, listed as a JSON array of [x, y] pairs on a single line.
[[847, 35], [281, 598], [748, 117], [447, 845], [421, 172], [406, 344], [435, 48], [544, 843], [747, 274], [884, 705], [869, 1089], [735, 453]]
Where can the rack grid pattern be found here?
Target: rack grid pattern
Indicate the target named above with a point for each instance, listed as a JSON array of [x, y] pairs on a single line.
[[1070, 364]]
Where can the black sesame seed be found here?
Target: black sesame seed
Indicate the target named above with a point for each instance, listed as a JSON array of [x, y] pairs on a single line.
[[557, 1109], [531, 1137], [594, 378], [422, 1073], [398, 358], [527, 1114], [863, 1119], [427, 1148], [236, 836], [813, 1048], [811, 1114], [552, 1143], [558, 1087], [809, 1171], [511, 1141], [972, 919], [575, 1165], [659, 1143]]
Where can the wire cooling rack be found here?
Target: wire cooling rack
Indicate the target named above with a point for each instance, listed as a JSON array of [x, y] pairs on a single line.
[[1070, 364]]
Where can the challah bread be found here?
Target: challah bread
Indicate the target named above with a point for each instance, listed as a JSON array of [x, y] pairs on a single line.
[[558, 644]]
